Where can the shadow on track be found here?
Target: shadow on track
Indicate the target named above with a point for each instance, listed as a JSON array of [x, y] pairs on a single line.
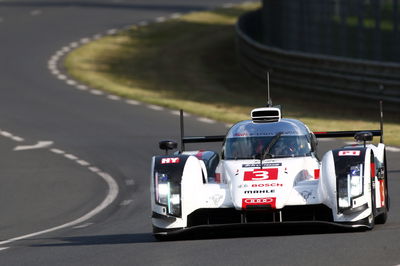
[[273, 230]]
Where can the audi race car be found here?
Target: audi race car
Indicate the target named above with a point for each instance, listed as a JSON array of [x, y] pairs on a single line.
[[268, 172]]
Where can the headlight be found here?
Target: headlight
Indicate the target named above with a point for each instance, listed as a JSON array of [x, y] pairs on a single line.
[[356, 186], [167, 193], [343, 192], [350, 186]]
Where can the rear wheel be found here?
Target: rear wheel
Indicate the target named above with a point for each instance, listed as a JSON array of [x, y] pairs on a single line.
[[371, 217], [381, 218]]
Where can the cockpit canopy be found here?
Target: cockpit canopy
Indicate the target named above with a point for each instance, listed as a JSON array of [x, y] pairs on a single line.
[[286, 138]]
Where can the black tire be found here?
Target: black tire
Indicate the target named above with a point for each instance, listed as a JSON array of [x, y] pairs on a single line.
[[381, 218], [160, 237], [371, 218]]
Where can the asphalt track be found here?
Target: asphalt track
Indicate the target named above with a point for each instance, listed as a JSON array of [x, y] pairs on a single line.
[[92, 135]]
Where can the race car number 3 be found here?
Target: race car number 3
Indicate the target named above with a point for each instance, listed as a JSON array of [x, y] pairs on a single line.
[[261, 174]]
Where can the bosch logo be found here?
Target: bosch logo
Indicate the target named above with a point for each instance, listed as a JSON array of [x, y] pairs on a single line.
[[258, 201], [267, 185], [261, 174], [169, 160]]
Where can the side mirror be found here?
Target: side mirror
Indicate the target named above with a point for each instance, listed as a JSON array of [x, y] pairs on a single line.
[[363, 136], [168, 145]]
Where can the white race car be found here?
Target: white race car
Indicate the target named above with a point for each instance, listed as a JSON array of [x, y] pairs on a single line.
[[268, 172]]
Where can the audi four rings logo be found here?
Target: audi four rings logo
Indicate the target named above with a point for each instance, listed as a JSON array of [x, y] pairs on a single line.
[[261, 174], [248, 202], [259, 201]]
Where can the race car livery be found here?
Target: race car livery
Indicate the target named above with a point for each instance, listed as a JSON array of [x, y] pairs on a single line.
[[268, 172]]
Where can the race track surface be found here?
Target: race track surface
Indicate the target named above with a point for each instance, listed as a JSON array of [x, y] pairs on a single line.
[[74, 178]]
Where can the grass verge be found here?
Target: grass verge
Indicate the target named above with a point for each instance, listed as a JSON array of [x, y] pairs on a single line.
[[190, 63]]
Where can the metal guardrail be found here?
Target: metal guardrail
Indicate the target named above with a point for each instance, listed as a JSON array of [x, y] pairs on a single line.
[[361, 78]]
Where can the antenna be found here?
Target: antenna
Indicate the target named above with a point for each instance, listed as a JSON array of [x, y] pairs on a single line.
[[381, 119], [381, 89], [269, 101], [182, 130]]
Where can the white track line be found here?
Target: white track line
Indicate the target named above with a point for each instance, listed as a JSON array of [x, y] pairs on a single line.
[[82, 162], [74, 45], [6, 134], [70, 157], [112, 193], [57, 151], [71, 82], [17, 139], [84, 40], [155, 107], [177, 112], [82, 225], [392, 149], [113, 97], [126, 202], [111, 196], [94, 169], [132, 102], [96, 92], [206, 120], [82, 87]]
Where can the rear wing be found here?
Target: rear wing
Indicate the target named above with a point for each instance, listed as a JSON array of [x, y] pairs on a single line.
[[321, 135], [345, 134]]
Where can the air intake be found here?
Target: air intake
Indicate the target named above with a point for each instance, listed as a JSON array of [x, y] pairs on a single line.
[[266, 115]]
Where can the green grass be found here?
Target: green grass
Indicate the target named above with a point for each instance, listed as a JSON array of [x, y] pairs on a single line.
[[190, 63]]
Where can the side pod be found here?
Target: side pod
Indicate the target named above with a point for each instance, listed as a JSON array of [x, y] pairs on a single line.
[[346, 183], [176, 182]]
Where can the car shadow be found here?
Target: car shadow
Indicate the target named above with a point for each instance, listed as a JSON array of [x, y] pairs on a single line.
[[273, 230]]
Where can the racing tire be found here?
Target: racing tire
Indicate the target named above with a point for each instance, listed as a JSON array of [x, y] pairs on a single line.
[[381, 218], [372, 216]]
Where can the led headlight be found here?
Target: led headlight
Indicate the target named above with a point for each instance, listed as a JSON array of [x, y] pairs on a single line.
[[356, 187], [167, 193], [161, 188], [350, 186], [174, 205], [343, 192]]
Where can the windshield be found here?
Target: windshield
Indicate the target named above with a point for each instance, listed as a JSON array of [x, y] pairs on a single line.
[[254, 147]]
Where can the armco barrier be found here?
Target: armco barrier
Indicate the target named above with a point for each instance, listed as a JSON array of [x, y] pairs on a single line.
[[361, 78]]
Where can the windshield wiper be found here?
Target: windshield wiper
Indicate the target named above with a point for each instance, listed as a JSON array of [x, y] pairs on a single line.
[[269, 147]]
